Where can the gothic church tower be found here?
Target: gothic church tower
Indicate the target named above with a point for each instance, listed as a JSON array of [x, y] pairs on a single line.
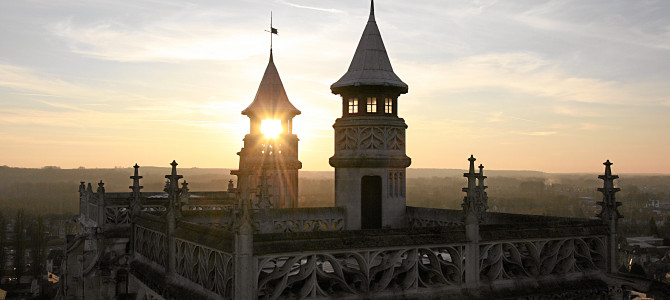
[[370, 158], [268, 172]]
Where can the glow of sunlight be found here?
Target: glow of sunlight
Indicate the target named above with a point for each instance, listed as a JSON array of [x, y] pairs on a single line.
[[271, 128]]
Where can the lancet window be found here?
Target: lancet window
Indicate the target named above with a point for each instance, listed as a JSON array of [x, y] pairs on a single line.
[[388, 105]]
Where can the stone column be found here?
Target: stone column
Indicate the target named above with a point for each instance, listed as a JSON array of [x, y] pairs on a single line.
[[610, 214], [244, 267], [89, 206], [101, 205], [135, 205], [173, 213], [83, 205], [473, 209]]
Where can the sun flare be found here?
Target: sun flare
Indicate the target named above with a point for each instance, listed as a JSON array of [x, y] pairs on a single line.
[[271, 128]]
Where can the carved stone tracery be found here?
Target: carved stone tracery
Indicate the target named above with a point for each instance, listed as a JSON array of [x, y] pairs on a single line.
[[370, 137], [339, 274], [529, 259], [151, 244], [212, 269]]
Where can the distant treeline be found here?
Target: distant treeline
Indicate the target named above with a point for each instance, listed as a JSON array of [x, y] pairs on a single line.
[[53, 190]]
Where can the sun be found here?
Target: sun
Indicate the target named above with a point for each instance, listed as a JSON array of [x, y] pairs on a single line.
[[271, 128]]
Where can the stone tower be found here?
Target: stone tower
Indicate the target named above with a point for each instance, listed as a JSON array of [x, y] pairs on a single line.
[[370, 158], [269, 164]]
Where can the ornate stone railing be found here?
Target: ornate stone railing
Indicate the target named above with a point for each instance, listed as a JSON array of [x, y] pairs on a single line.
[[298, 220], [418, 217], [201, 207], [151, 244], [210, 268], [332, 274], [116, 215], [532, 258]]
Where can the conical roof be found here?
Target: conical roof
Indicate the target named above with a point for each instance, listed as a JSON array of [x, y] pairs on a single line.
[[271, 99], [371, 64]]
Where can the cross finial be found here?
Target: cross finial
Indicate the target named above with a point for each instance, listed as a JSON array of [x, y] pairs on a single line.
[[174, 167], [608, 168], [472, 163]]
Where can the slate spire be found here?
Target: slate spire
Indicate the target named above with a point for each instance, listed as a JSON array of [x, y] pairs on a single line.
[[371, 65], [271, 99]]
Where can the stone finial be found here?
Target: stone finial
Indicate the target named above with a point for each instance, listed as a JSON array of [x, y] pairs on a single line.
[[474, 204], [136, 187], [610, 207], [231, 187], [481, 189], [136, 196], [82, 188], [471, 176], [173, 191], [184, 194], [101, 187]]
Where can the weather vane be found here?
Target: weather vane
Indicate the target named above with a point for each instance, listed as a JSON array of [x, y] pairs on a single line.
[[272, 31]]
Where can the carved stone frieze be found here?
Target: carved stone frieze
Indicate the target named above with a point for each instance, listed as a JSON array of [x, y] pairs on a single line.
[[302, 225], [370, 138]]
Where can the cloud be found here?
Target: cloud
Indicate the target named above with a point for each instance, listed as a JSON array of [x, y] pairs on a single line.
[[574, 111], [540, 133], [160, 41], [330, 10], [527, 73]]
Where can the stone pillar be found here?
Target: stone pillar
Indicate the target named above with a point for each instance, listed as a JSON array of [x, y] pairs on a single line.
[[471, 216], [173, 213], [89, 207], [473, 209], [101, 204], [83, 205], [610, 214], [243, 256], [135, 205], [136, 194]]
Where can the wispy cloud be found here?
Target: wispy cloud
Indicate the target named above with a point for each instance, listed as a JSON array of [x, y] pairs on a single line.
[[166, 41], [330, 10], [528, 74]]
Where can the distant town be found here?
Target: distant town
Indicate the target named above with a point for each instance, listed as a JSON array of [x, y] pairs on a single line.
[[38, 207]]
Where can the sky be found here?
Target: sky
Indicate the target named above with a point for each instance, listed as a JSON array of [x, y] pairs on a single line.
[[554, 86]]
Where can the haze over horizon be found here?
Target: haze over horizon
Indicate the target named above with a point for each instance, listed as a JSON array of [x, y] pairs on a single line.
[[552, 86]]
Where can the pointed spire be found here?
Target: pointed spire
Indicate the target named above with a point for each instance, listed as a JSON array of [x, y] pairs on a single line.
[[481, 177], [609, 203], [372, 11], [370, 65], [475, 201], [471, 176], [271, 100], [136, 199], [136, 187]]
